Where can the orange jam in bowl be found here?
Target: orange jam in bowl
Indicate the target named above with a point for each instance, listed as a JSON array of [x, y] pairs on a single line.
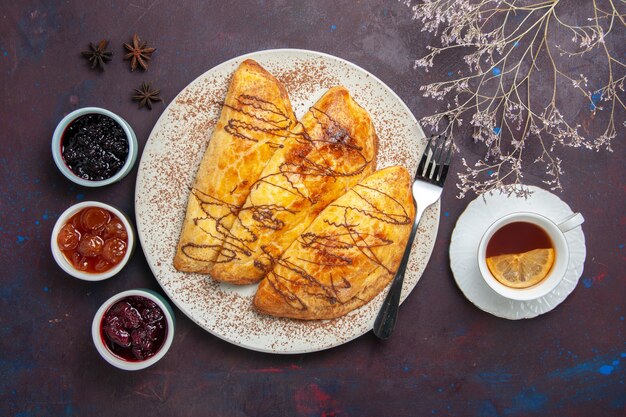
[[92, 241]]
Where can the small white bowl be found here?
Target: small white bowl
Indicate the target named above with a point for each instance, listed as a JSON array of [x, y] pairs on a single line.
[[60, 162], [67, 266], [115, 360]]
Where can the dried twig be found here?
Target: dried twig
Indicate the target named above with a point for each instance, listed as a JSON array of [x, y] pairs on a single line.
[[507, 40]]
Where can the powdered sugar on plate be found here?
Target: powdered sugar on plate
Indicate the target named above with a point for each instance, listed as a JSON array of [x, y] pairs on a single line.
[[168, 167]]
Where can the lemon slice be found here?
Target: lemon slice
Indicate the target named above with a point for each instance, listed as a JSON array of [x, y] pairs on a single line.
[[521, 270]]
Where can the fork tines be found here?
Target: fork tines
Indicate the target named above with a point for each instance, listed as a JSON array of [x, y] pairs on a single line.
[[433, 166]]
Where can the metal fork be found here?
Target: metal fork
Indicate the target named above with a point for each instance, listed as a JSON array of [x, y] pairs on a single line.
[[426, 189]]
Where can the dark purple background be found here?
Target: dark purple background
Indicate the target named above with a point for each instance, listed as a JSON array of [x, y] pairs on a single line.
[[446, 357]]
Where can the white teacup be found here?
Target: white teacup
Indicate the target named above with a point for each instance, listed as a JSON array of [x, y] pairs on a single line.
[[555, 231]]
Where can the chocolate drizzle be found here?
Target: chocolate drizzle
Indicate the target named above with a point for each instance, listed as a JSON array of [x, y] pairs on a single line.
[[203, 252], [341, 244], [264, 216], [266, 119], [316, 156]]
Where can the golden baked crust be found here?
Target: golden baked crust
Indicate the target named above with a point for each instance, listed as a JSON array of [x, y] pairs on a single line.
[[332, 149], [255, 120], [347, 255]]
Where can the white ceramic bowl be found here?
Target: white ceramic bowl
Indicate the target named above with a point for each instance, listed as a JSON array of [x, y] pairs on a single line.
[[115, 360], [60, 162], [67, 266]]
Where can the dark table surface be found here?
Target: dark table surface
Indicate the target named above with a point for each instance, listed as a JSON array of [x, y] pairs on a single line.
[[446, 357]]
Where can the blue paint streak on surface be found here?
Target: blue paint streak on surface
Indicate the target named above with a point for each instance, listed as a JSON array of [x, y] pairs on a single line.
[[621, 246], [580, 369], [606, 369], [527, 401], [21, 239], [516, 44], [595, 98], [46, 289], [587, 369], [615, 362], [495, 377], [446, 214], [490, 172], [333, 27], [496, 71], [80, 196], [450, 73], [587, 282], [37, 222], [497, 130]]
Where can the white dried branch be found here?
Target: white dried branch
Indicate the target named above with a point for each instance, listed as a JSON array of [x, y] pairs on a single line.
[[505, 41]]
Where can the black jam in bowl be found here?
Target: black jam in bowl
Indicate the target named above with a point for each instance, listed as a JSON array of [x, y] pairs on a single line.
[[134, 328], [94, 147]]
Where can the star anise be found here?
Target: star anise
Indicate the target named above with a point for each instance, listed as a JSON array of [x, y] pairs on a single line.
[[138, 53], [97, 54], [146, 95]]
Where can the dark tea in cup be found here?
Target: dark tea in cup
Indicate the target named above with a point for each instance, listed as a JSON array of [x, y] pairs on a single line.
[[524, 256], [520, 254]]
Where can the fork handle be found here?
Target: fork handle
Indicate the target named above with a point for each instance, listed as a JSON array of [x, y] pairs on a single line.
[[386, 319]]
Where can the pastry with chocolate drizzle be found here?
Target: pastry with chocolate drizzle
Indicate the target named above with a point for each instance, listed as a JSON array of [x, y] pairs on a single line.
[[256, 119], [295, 204], [331, 150], [347, 255]]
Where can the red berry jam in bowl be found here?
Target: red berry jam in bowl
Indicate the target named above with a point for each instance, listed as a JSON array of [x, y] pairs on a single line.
[[134, 328]]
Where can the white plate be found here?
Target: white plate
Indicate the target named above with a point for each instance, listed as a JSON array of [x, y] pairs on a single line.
[[168, 167], [471, 226]]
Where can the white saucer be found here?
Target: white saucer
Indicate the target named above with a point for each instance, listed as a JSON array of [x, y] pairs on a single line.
[[470, 227]]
